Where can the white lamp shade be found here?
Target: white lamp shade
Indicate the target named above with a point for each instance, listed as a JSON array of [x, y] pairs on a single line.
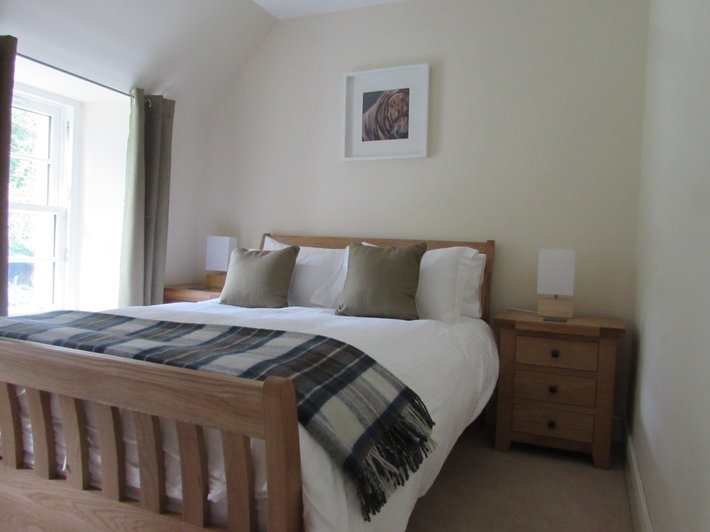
[[218, 250], [555, 272]]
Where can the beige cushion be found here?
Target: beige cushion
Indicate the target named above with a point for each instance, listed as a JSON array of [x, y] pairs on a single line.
[[382, 281], [259, 278]]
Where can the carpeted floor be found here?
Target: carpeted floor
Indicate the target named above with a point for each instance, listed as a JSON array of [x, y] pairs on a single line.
[[527, 489]]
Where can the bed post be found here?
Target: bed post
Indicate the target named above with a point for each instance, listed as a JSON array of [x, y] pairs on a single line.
[[283, 457]]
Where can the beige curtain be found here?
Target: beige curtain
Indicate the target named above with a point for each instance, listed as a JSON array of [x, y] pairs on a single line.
[[145, 226], [8, 48]]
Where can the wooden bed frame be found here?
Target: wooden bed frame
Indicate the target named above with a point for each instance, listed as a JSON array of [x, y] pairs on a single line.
[[241, 409]]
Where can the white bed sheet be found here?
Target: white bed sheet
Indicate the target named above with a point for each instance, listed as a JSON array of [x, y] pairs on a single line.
[[452, 367]]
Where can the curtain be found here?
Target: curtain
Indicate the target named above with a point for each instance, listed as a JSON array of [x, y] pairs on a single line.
[[8, 48], [145, 226]]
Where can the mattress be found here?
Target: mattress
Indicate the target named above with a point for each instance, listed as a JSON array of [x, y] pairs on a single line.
[[452, 367]]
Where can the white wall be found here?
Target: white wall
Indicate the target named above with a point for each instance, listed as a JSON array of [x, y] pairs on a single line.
[[101, 179], [671, 428], [535, 132], [535, 137]]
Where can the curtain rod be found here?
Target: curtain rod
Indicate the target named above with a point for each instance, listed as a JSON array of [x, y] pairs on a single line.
[[76, 75]]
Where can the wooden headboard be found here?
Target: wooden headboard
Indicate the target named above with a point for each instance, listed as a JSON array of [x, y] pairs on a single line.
[[487, 247]]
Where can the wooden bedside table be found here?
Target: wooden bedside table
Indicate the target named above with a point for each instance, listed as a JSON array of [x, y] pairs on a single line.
[[188, 292], [556, 383]]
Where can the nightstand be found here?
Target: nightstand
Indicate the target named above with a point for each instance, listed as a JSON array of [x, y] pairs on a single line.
[[556, 383], [189, 293]]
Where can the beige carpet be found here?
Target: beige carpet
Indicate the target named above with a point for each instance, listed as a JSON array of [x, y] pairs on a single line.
[[526, 489]]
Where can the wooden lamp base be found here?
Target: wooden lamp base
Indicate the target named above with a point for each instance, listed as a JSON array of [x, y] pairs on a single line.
[[555, 308]]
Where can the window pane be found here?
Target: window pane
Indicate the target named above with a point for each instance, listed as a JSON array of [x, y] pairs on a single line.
[[32, 234], [30, 133], [29, 181], [30, 286]]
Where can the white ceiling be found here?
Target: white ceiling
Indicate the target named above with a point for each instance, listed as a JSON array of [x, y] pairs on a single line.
[[282, 9], [172, 46]]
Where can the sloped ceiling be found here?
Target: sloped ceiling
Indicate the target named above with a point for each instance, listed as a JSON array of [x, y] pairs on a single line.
[[282, 9], [127, 43]]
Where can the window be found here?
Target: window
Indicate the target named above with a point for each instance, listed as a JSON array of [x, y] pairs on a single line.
[[67, 187], [39, 196]]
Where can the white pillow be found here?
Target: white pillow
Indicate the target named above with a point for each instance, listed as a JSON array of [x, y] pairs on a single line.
[[474, 264], [441, 281], [449, 284], [330, 293], [313, 267]]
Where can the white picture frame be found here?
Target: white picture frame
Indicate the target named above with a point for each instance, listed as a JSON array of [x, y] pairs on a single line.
[[375, 103]]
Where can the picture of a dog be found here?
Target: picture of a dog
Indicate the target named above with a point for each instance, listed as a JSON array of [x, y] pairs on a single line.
[[388, 117]]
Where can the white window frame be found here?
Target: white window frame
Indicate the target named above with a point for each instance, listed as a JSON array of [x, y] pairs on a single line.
[[64, 114]]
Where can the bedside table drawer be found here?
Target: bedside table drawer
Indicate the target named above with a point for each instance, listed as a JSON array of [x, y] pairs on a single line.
[[571, 354], [579, 391], [553, 423]]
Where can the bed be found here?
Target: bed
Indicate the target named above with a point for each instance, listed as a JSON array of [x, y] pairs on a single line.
[[137, 418]]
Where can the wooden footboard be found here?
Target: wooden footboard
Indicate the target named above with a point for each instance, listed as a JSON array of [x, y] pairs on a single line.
[[240, 409]]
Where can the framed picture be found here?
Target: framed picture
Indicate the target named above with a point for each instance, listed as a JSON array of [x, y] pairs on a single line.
[[386, 113]]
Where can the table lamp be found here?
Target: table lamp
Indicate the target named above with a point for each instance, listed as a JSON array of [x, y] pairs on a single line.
[[555, 284], [217, 260]]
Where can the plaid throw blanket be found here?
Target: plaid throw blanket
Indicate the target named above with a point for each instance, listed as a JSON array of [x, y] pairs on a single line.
[[378, 441]]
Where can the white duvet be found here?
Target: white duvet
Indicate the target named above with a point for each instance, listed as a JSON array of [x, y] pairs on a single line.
[[452, 367]]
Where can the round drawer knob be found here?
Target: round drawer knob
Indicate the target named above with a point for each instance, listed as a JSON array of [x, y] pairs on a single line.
[[553, 388], [551, 424], [555, 353]]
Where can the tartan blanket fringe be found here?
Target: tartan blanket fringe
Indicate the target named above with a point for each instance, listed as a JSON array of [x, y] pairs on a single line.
[[378, 443], [398, 452]]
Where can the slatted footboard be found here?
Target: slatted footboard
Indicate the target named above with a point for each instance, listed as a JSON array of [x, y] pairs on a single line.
[[240, 409]]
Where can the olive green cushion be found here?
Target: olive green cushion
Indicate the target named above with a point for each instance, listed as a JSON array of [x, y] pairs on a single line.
[[382, 281], [259, 278]]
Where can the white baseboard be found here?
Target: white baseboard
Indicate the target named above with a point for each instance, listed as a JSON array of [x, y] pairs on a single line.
[[634, 485]]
